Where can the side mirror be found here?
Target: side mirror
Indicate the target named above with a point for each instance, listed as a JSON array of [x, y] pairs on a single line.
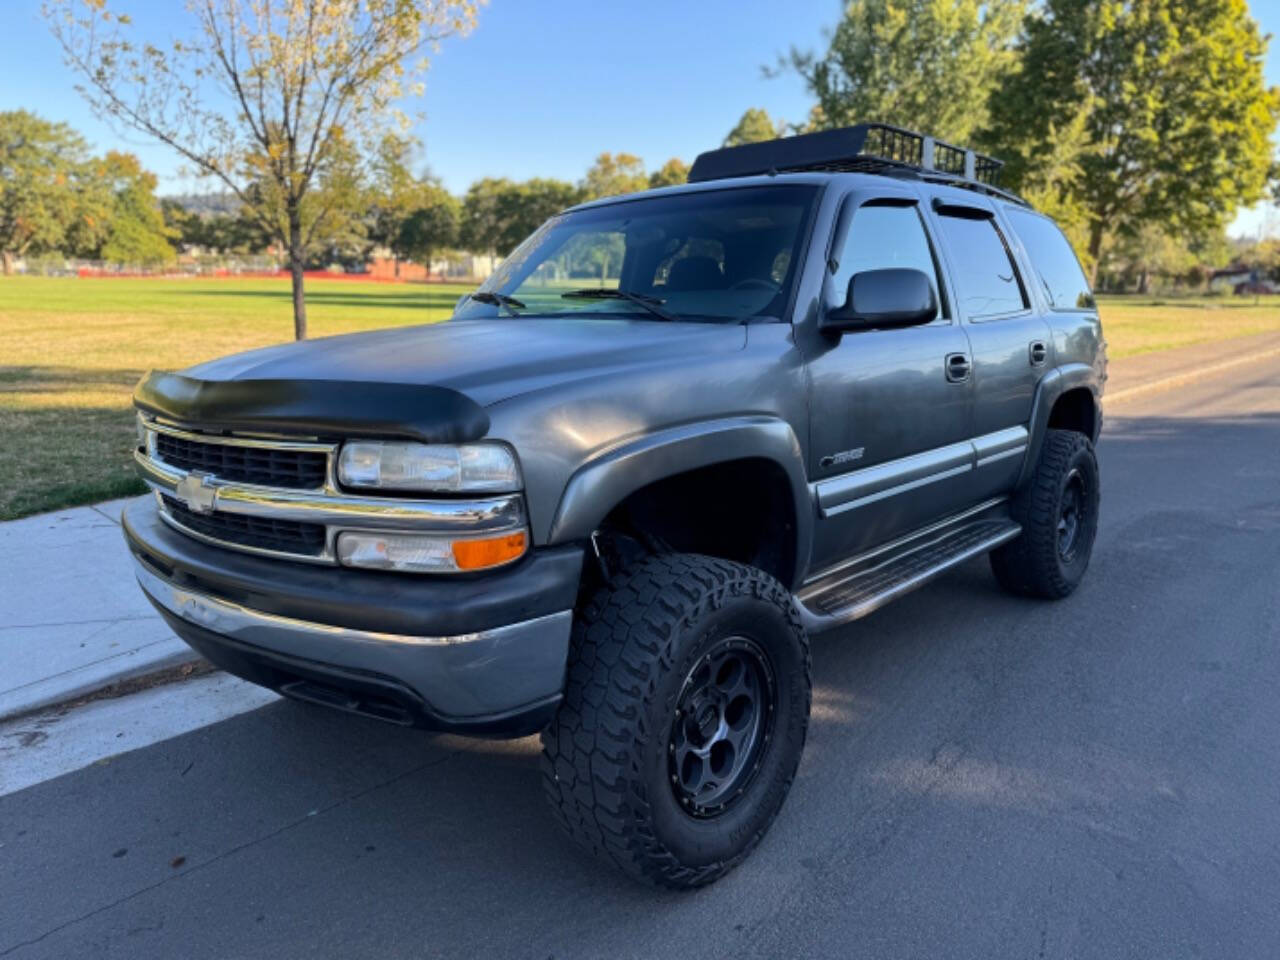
[[882, 300]]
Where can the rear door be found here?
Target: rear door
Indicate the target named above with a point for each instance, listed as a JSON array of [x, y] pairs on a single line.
[[1008, 335], [890, 409]]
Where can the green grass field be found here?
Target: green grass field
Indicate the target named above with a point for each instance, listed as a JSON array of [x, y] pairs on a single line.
[[72, 350]]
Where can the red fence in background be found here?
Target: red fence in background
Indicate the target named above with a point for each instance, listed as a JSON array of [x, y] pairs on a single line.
[[415, 275]]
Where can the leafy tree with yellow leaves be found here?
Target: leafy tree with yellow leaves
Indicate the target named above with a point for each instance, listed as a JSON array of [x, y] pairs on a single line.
[[268, 96]]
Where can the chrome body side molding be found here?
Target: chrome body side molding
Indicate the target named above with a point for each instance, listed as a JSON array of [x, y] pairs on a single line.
[[858, 488]]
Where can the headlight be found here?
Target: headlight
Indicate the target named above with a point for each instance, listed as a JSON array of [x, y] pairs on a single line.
[[440, 468], [428, 553], [140, 425]]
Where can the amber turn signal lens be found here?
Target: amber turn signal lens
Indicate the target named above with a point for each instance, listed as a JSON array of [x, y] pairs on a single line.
[[478, 554]]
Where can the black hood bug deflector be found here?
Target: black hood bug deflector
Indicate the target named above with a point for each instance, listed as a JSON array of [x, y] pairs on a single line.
[[320, 408]]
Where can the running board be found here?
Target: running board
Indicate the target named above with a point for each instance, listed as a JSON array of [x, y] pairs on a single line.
[[858, 588]]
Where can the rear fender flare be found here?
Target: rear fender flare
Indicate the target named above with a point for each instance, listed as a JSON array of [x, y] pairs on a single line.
[[1055, 383]]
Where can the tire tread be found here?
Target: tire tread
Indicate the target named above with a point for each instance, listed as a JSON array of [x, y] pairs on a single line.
[[1029, 564], [623, 641]]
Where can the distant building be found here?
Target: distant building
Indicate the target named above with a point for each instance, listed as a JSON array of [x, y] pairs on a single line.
[[465, 266], [1228, 278], [388, 268], [459, 267]]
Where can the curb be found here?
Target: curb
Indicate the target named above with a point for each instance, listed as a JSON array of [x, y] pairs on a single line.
[[58, 692], [159, 674], [1189, 376]]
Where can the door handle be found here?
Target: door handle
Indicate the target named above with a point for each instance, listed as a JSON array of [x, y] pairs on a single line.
[[1038, 352], [958, 367]]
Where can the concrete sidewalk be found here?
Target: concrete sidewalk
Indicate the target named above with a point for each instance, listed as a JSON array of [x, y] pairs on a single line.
[[74, 621]]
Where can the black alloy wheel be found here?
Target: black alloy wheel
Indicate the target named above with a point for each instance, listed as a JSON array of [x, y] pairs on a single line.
[[723, 720], [1071, 519]]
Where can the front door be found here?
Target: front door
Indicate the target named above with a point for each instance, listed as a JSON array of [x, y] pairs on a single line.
[[890, 410]]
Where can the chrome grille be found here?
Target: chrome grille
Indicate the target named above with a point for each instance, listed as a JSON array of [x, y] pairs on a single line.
[[276, 495], [262, 466]]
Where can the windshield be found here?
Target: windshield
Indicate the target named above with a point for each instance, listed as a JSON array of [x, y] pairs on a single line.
[[716, 255]]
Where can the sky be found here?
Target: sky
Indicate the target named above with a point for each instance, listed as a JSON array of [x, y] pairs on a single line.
[[542, 86]]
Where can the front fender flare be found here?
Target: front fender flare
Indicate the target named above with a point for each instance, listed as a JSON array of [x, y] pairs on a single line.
[[603, 482]]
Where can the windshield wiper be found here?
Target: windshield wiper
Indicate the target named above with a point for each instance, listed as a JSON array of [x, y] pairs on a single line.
[[498, 300], [652, 304]]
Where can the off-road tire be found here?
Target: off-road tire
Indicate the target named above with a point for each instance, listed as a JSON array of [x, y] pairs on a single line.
[[1033, 565], [606, 754]]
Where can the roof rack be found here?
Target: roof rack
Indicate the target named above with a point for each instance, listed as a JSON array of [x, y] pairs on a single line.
[[863, 148]]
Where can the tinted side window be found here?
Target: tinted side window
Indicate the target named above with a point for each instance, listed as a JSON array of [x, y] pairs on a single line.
[[882, 237], [984, 273], [1054, 261]]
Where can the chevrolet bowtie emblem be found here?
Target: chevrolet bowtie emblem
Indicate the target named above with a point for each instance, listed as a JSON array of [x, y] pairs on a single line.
[[195, 491]]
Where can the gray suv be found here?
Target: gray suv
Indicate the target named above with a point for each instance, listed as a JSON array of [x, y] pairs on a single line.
[[673, 437]]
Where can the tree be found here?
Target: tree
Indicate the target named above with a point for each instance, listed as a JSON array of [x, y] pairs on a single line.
[[184, 227], [1176, 116], [265, 96], [523, 207], [613, 175], [497, 213], [194, 223], [754, 126], [1047, 181], [333, 218], [135, 230], [672, 173], [431, 227], [45, 186], [482, 216], [393, 189], [923, 64]]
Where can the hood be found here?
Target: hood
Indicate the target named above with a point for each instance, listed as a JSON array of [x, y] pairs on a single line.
[[487, 360]]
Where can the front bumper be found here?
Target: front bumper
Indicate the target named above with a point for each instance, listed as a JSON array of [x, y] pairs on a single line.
[[483, 655]]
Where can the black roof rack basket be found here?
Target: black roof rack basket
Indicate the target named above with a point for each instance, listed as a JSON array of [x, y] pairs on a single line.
[[864, 148]]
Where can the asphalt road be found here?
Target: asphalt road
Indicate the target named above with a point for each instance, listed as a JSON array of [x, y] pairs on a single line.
[[985, 777]]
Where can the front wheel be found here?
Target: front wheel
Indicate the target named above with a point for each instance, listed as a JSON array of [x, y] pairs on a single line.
[[684, 718], [1058, 510]]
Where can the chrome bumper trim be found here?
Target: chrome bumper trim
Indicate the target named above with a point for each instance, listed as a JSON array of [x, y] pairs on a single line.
[[325, 558], [251, 626]]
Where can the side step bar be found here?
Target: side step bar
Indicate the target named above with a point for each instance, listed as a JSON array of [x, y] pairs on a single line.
[[864, 585]]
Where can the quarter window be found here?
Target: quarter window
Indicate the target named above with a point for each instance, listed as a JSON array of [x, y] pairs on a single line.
[[984, 274], [881, 237], [1054, 261]]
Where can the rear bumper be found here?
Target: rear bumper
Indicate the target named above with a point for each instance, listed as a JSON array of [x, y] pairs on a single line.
[[482, 655]]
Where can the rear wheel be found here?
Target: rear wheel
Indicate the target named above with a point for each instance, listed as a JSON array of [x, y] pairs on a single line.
[[1058, 510], [684, 718]]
